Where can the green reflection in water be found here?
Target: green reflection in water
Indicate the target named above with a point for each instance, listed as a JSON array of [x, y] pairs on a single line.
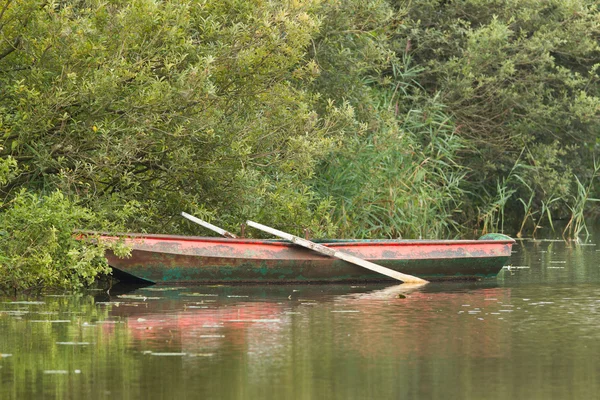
[[530, 334]]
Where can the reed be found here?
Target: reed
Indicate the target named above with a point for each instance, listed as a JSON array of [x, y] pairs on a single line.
[[402, 179], [581, 199]]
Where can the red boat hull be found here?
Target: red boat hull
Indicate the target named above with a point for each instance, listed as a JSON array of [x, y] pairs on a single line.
[[185, 259]]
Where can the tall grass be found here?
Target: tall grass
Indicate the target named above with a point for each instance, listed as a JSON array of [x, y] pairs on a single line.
[[581, 199], [537, 203], [401, 179]]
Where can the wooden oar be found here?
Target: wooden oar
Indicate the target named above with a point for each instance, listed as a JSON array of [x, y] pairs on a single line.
[[338, 254], [209, 226]]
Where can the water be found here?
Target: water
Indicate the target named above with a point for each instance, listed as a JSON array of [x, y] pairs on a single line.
[[532, 333]]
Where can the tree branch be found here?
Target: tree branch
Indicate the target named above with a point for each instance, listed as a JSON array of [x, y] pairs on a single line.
[[5, 8], [15, 45]]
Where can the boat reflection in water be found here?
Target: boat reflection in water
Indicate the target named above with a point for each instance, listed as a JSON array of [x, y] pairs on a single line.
[[389, 322]]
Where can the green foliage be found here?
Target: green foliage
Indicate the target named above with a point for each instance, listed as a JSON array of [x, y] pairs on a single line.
[[583, 197], [346, 117], [388, 184], [38, 248], [395, 173], [515, 75], [176, 103], [7, 169], [353, 43]]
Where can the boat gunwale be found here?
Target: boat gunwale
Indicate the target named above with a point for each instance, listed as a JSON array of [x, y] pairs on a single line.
[[326, 242]]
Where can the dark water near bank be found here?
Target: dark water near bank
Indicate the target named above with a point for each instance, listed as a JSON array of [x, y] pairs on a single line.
[[532, 333]]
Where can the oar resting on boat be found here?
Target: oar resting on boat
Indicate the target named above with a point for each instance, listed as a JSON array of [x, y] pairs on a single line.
[[207, 225], [315, 247], [338, 254]]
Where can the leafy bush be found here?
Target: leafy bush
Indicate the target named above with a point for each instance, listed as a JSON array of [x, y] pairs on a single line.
[[38, 248], [520, 78], [182, 105]]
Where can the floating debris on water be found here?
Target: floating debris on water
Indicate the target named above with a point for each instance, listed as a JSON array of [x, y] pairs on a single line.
[[558, 262], [211, 336], [25, 302], [160, 289], [199, 294], [56, 372], [165, 354], [175, 354], [5, 355], [556, 267], [254, 320], [234, 295], [52, 321], [15, 313], [137, 297], [510, 267], [198, 302], [74, 343]]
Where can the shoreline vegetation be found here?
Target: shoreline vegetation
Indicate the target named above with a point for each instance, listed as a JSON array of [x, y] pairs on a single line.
[[366, 119]]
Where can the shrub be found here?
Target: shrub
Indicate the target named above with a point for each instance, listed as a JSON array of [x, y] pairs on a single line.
[[38, 248]]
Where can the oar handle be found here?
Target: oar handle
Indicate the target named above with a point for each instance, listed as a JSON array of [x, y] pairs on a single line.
[[207, 225]]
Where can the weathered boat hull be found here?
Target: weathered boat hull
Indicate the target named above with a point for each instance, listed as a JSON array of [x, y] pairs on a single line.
[[183, 259]]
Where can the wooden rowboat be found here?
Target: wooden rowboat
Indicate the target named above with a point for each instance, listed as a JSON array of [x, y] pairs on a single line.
[[190, 259]]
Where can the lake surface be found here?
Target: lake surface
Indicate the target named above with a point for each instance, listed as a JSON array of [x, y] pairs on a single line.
[[532, 333]]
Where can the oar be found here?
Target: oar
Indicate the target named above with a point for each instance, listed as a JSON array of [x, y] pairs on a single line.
[[209, 226], [338, 254]]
